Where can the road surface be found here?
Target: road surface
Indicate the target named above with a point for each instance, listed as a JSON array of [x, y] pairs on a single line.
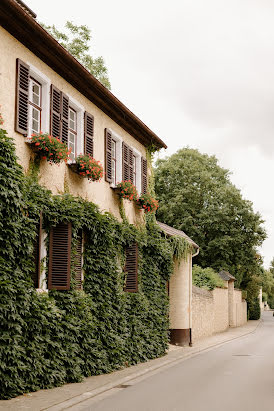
[[238, 376]]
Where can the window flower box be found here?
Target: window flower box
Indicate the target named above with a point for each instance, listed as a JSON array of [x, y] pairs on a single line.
[[87, 167], [148, 203], [49, 148], [127, 190]]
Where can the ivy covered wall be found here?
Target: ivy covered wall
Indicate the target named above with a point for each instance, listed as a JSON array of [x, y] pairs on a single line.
[[48, 339]]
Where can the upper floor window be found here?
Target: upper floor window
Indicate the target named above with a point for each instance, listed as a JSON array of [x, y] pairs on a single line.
[[32, 100], [35, 106], [72, 133]]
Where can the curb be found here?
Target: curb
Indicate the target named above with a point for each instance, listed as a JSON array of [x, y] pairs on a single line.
[[166, 364]]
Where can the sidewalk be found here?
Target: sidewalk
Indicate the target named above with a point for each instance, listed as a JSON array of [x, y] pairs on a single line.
[[60, 398]]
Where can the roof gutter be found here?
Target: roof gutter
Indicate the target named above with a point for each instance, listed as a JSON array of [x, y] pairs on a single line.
[[25, 29]]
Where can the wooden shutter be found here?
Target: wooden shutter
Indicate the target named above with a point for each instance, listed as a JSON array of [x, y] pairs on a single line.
[[64, 118], [131, 268], [37, 253], [108, 174], [125, 167], [78, 266], [88, 135], [59, 257], [55, 112], [127, 163], [144, 175], [22, 97]]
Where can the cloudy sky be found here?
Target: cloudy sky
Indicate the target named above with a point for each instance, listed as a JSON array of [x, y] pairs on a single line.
[[198, 73]]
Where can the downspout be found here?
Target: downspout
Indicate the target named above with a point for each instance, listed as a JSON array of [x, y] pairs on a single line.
[[190, 297]]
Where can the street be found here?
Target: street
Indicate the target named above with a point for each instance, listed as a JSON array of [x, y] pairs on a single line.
[[236, 376]]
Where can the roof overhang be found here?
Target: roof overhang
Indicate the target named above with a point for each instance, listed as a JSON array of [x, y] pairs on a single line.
[[170, 231], [18, 22]]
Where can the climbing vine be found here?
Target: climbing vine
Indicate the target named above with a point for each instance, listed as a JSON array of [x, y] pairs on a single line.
[[48, 339]]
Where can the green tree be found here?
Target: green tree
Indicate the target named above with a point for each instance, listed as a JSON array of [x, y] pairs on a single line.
[[75, 39], [196, 195], [271, 268]]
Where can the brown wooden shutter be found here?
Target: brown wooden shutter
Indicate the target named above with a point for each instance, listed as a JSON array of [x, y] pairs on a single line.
[[64, 118], [125, 167], [144, 175], [37, 253], [108, 173], [55, 112], [22, 97], [88, 135], [127, 163], [78, 266], [131, 268], [59, 257]]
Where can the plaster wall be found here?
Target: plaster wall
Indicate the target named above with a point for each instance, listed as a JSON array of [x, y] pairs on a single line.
[[220, 301], [180, 295], [211, 311], [54, 177]]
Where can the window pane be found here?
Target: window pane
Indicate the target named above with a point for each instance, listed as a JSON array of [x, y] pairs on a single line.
[[71, 144], [113, 171], [72, 119], [36, 92], [35, 120]]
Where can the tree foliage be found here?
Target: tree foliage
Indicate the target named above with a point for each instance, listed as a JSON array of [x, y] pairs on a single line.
[[206, 278], [76, 40], [196, 195]]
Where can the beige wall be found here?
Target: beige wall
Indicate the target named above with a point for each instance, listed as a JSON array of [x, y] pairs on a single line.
[[54, 177], [202, 313], [213, 310], [180, 295], [220, 301]]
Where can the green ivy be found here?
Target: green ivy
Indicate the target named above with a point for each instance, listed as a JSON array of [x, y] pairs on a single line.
[[50, 339]]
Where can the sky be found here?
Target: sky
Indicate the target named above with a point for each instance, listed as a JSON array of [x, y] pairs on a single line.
[[198, 73]]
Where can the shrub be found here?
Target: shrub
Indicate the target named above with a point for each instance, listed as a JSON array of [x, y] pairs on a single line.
[[88, 167], [148, 203], [49, 148], [254, 309], [206, 278], [127, 190]]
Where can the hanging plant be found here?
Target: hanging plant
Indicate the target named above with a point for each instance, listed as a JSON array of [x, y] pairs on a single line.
[[148, 203], [87, 166], [127, 190], [49, 148]]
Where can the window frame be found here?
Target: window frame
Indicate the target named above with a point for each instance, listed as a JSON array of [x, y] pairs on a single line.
[[118, 140], [32, 105], [40, 78], [73, 132], [80, 112]]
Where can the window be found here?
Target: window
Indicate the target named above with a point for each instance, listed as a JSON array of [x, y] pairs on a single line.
[[72, 133], [131, 269], [79, 261], [59, 257], [113, 157], [113, 161], [35, 106], [32, 100]]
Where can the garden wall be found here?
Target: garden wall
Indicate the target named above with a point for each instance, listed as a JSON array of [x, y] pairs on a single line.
[[212, 311]]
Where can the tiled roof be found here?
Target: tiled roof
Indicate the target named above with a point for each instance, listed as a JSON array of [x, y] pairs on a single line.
[[173, 231], [226, 276]]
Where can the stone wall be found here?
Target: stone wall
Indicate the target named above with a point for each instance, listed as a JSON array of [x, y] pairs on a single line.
[[214, 311]]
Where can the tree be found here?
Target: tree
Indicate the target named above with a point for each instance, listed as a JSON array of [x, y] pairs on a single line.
[[271, 268], [196, 195], [76, 42]]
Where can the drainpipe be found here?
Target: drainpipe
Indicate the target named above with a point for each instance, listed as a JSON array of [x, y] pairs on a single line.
[[190, 297]]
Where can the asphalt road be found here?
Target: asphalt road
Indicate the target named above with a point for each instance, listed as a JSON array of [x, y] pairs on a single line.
[[238, 376]]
